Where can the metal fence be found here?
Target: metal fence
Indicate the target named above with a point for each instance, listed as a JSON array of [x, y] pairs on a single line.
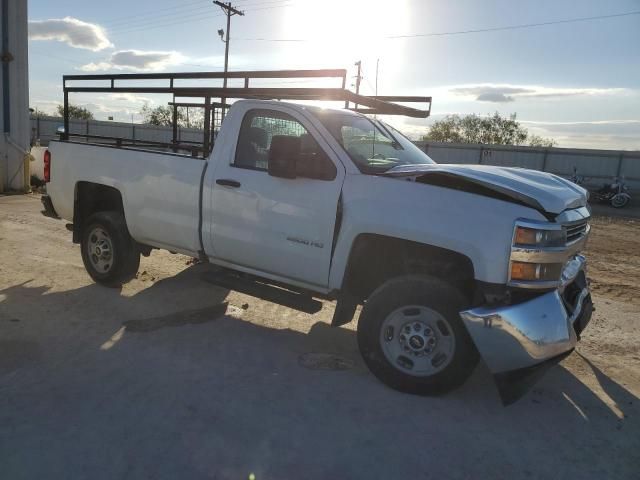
[[595, 166], [44, 129]]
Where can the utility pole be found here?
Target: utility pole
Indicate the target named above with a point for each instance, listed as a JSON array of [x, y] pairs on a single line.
[[358, 77], [229, 12]]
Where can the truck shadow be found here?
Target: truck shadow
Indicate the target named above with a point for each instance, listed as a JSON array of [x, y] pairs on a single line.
[[180, 354]]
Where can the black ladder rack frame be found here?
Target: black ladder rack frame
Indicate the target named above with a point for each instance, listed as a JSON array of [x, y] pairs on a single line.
[[380, 105]]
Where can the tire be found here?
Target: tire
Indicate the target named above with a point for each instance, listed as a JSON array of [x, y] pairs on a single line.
[[434, 306], [110, 255], [619, 200]]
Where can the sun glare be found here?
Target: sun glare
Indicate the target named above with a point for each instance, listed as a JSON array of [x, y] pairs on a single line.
[[340, 32]]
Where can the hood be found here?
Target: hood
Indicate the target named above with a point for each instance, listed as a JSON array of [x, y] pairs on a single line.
[[543, 191]]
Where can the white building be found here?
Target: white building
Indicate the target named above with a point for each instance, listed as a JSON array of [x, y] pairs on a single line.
[[14, 95]]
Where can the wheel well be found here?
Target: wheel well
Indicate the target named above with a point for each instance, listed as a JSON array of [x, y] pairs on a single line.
[[91, 198], [376, 258]]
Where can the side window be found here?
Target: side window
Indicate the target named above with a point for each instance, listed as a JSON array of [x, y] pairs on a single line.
[[258, 129]]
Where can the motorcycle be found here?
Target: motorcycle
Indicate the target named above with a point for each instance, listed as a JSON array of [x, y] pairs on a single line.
[[615, 193]]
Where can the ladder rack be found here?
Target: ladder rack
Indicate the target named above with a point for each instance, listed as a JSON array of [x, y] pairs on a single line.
[[117, 83]]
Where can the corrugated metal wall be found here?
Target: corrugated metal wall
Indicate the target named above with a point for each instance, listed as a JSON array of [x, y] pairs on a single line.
[[596, 166]]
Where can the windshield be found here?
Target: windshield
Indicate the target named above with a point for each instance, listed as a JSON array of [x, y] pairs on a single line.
[[375, 147]]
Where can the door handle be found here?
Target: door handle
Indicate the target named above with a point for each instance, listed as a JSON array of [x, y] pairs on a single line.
[[228, 183]]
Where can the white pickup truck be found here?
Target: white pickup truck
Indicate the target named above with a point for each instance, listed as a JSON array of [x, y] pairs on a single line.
[[450, 262]]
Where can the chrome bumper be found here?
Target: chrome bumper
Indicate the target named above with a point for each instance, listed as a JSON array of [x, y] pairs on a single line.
[[516, 337]]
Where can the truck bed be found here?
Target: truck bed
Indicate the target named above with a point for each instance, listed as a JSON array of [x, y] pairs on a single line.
[[160, 190]]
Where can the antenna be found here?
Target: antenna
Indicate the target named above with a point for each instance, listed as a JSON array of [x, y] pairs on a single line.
[[377, 67]]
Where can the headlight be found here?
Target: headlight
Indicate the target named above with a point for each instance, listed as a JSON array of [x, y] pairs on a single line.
[[537, 254], [541, 251], [531, 272], [534, 237]]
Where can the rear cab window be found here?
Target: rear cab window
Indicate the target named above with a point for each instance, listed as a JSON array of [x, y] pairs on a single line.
[[260, 127]]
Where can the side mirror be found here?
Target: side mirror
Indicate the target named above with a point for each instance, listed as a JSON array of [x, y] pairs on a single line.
[[283, 156]]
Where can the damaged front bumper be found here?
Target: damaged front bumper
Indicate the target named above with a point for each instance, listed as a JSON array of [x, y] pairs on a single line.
[[519, 342]]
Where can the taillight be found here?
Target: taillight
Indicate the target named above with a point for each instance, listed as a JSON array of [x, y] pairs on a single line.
[[47, 166]]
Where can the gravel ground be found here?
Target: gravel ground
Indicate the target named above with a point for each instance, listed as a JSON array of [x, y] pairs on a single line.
[[173, 378]]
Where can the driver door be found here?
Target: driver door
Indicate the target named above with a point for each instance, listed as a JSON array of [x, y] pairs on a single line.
[[278, 226]]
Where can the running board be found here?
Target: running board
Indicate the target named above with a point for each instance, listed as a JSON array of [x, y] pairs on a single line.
[[264, 291]]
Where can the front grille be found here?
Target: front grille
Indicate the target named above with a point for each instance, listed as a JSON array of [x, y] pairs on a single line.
[[576, 230]]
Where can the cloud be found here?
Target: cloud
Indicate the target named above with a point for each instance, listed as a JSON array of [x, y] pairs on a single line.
[[487, 93], [126, 97], [45, 107], [509, 93], [137, 60], [73, 32], [608, 134]]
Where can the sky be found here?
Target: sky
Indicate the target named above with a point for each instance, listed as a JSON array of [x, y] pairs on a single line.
[[577, 82]]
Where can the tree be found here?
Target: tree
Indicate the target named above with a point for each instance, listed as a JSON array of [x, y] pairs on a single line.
[[494, 129], [538, 141], [76, 111], [163, 116], [160, 115]]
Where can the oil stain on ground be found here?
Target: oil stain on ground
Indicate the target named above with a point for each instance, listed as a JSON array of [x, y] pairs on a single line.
[[191, 317]]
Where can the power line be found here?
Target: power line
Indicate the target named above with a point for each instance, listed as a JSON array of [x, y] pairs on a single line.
[[524, 25], [184, 14], [189, 18], [174, 19], [461, 32], [179, 8], [156, 18], [193, 9], [244, 4]]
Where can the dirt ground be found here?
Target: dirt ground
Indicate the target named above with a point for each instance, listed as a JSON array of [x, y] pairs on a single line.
[[614, 258], [170, 377]]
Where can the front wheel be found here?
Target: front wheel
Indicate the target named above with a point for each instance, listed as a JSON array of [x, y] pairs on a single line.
[[110, 255], [620, 200], [412, 338]]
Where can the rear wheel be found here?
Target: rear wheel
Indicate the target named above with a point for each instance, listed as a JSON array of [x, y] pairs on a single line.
[[412, 338], [110, 255]]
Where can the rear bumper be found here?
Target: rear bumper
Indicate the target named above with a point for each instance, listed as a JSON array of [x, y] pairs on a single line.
[[517, 342], [48, 211]]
